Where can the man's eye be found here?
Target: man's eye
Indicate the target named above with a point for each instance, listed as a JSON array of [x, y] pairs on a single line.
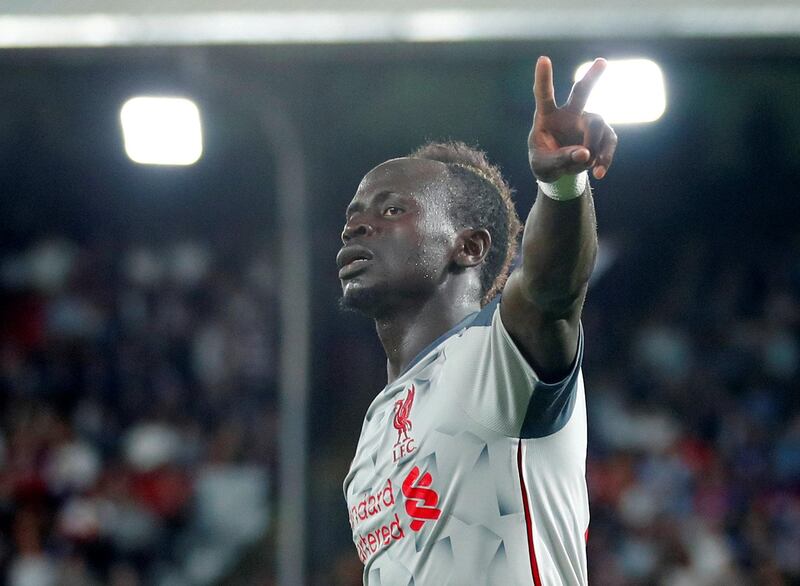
[[392, 211]]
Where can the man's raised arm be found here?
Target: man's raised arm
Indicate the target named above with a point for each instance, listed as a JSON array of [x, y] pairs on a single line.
[[543, 298]]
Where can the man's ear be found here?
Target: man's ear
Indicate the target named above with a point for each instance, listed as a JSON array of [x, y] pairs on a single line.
[[472, 246]]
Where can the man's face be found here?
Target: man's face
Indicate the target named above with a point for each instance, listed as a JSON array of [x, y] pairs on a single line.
[[398, 237]]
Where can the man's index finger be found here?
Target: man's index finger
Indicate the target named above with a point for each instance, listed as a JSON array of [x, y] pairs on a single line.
[[543, 85]]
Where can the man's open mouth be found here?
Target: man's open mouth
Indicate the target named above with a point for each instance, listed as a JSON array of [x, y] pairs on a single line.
[[351, 260], [353, 267]]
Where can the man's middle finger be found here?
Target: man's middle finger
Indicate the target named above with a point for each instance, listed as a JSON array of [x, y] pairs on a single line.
[[581, 90]]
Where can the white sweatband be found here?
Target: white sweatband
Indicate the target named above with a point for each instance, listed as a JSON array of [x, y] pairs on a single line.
[[565, 187]]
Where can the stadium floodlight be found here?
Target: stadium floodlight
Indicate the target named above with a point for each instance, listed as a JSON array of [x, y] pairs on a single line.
[[630, 91], [161, 130]]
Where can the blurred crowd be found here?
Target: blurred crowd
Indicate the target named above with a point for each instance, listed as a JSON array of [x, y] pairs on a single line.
[[137, 412], [693, 390], [138, 416]]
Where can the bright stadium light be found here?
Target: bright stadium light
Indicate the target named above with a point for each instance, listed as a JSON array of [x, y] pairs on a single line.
[[162, 131], [630, 91]]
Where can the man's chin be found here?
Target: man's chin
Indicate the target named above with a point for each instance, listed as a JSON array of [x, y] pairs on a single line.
[[368, 301]]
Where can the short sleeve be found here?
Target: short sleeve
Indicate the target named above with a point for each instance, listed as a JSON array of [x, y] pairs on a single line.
[[498, 388]]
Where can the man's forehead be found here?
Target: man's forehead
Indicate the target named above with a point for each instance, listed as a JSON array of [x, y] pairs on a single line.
[[403, 175]]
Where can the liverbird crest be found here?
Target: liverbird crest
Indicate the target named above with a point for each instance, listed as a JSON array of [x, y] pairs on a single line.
[[402, 413]]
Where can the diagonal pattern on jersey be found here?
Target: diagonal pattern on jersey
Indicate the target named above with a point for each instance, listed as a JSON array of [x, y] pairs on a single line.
[[427, 511]]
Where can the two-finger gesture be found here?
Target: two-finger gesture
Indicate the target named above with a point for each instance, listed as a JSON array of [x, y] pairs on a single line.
[[567, 140]]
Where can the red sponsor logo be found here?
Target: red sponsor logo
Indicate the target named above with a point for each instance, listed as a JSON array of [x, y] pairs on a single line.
[[369, 543], [421, 500], [420, 503], [402, 423], [372, 504]]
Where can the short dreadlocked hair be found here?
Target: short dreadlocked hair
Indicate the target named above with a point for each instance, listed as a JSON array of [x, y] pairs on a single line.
[[483, 200]]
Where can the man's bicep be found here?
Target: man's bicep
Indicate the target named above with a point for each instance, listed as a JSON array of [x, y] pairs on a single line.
[[549, 342]]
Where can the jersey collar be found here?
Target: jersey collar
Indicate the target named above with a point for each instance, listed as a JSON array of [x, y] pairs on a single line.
[[482, 317]]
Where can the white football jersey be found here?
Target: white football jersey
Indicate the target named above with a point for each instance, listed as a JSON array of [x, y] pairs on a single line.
[[470, 470]]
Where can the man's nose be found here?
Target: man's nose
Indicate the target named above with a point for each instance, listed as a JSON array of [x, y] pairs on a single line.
[[356, 226]]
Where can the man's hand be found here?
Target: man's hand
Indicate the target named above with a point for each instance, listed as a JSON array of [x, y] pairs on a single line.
[[567, 140]]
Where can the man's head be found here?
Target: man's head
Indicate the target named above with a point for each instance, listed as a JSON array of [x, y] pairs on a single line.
[[420, 223]]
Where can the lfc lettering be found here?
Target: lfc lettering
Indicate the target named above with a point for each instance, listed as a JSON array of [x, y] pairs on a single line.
[[403, 448]]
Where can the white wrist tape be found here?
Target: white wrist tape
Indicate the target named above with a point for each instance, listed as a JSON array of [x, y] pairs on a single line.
[[565, 187]]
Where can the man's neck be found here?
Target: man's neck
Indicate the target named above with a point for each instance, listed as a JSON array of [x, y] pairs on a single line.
[[406, 333]]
